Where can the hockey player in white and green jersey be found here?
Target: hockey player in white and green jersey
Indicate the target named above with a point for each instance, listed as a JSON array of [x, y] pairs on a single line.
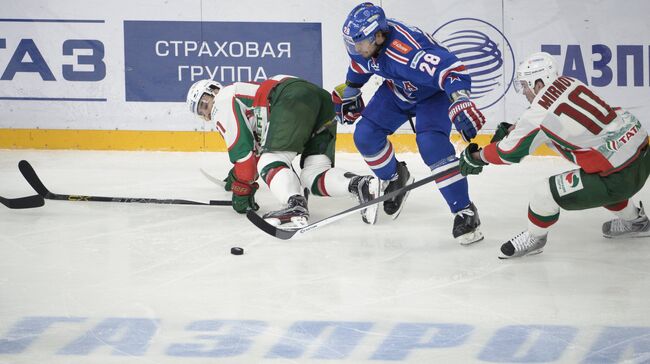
[[608, 144], [265, 126]]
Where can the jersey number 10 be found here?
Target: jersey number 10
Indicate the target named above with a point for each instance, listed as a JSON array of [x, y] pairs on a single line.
[[594, 113]]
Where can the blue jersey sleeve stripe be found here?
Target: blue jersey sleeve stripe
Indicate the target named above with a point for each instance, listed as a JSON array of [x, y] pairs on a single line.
[[396, 57], [408, 36], [443, 74]]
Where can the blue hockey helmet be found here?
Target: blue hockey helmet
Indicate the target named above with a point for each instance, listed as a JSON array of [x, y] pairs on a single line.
[[361, 25]]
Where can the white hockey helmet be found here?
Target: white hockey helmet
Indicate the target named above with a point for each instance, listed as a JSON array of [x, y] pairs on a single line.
[[197, 90], [538, 66]]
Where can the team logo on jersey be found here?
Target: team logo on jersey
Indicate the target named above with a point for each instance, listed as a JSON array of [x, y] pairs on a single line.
[[612, 145], [618, 139], [400, 46], [572, 179], [408, 86], [486, 53], [374, 65], [568, 182]]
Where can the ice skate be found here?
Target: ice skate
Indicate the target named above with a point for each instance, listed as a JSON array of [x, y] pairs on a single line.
[[467, 226], [394, 206], [294, 215], [522, 244], [366, 188], [619, 228]]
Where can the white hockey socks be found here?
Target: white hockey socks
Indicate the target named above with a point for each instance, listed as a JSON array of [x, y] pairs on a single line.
[[275, 168], [323, 180], [624, 210], [543, 211]]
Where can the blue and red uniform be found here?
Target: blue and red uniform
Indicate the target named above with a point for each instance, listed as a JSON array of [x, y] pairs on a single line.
[[420, 77]]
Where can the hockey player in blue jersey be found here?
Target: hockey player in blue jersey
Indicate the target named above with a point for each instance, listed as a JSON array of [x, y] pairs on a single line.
[[422, 79]]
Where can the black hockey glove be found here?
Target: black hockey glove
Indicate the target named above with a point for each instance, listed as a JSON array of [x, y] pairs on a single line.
[[468, 164], [502, 131]]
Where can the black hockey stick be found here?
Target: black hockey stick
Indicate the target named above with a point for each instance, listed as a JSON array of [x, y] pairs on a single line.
[[258, 221], [27, 202], [32, 178]]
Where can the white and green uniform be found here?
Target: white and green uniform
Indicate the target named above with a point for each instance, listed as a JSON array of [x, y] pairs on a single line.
[[234, 118], [241, 116], [265, 126], [604, 141], [571, 119]]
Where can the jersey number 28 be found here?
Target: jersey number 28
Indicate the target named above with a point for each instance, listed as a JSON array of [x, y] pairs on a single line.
[[428, 64]]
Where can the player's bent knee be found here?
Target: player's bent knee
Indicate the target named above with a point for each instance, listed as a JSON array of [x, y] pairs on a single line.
[[269, 158], [272, 162], [313, 167]]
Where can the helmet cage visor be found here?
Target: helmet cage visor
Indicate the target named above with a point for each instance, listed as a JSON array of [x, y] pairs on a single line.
[[520, 85], [202, 108], [198, 90], [353, 47], [356, 36], [528, 78], [539, 66]]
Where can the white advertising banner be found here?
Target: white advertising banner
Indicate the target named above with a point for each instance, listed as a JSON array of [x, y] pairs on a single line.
[[121, 65]]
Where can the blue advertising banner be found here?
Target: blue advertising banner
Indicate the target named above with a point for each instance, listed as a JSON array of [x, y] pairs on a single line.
[[163, 58]]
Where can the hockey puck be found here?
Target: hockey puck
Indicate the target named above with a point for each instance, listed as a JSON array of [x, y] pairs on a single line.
[[235, 250]]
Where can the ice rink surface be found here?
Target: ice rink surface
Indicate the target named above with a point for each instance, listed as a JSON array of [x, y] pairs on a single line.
[[92, 282]]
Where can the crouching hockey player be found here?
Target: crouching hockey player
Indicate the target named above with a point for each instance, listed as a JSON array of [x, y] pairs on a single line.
[[422, 79], [265, 126], [609, 145]]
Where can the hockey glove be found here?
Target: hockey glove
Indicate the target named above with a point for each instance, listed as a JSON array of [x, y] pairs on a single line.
[[466, 117], [230, 179], [348, 103], [502, 131], [243, 194], [243, 197], [468, 164]]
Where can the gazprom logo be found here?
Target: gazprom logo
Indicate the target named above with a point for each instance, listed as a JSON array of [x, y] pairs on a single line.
[[486, 53]]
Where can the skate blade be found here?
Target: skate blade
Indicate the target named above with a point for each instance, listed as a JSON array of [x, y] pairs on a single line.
[[644, 234], [534, 252], [369, 215], [470, 238], [295, 223]]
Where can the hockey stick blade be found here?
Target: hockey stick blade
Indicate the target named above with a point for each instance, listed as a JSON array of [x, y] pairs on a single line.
[[212, 179], [32, 178], [283, 234], [27, 202]]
